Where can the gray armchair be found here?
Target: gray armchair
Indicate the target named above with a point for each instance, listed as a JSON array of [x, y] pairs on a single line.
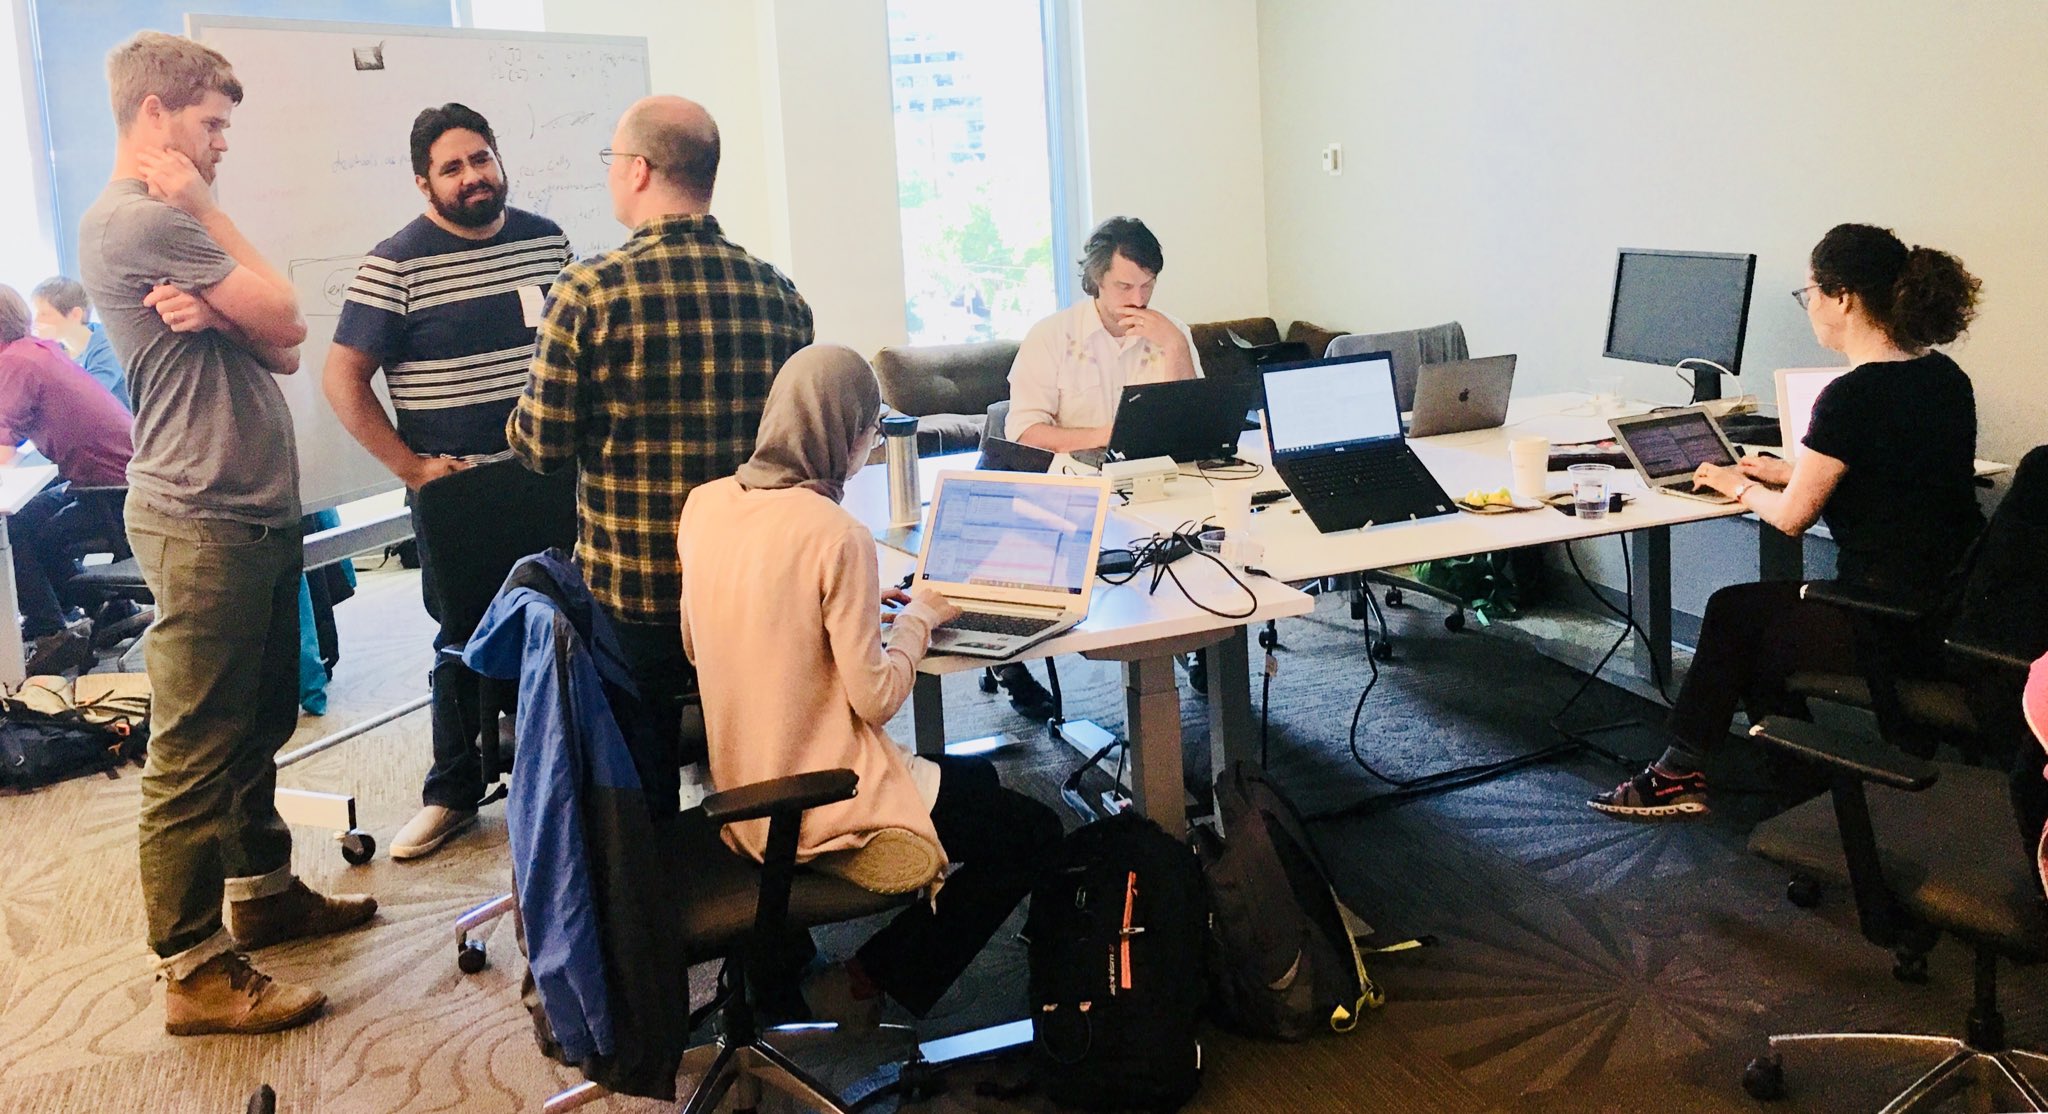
[[947, 387]]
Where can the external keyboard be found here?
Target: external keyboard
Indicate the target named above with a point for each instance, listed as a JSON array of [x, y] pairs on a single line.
[[986, 623]]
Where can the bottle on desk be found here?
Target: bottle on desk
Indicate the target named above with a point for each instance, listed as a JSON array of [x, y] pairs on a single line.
[[899, 452]]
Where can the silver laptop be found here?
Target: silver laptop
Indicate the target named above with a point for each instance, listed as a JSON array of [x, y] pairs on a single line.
[[1798, 389], [1016, 553], [1462, 395], [1668, 446]]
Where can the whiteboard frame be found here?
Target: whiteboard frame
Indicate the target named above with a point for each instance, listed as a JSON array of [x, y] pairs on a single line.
[[196, 24]]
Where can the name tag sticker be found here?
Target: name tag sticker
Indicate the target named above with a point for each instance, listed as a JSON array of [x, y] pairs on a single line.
[[531, 299]]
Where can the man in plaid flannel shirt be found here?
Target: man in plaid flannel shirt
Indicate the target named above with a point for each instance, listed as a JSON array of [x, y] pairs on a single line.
[[652, 367]]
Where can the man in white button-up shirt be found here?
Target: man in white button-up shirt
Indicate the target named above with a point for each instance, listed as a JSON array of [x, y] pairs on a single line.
[[1072, 368]]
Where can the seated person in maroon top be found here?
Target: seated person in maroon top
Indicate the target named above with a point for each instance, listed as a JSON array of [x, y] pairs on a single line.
[[83, 429]]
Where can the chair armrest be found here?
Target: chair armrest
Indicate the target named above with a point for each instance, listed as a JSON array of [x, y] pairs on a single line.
[[1857, 757], [1987, 654], [792, 794], [1864, 601]]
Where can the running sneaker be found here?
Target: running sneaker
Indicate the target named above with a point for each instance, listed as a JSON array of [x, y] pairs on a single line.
[[1656, 794]]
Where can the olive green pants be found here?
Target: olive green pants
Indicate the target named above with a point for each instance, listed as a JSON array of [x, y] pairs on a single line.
[[223, 661]]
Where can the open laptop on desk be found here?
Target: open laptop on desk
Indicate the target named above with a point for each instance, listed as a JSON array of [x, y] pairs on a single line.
[[1187, 419], [1798, 389], [1016, 553], [1666, 448], [1335, 433], [1462, 395]]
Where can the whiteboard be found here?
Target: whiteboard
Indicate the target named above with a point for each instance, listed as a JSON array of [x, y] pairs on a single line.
[[319, 167]]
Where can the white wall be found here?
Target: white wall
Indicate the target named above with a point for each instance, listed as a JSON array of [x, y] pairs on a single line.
[[1500, 152], [27, 253], [1171, 91]]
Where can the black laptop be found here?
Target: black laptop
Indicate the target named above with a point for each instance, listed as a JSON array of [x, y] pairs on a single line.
[[1188, 419], [1335, 432]]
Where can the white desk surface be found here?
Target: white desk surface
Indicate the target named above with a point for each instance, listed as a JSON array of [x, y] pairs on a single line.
[[1118, 615], [23, 482], [1296, 551]]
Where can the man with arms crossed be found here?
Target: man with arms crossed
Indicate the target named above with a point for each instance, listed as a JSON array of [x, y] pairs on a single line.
[[447, 308], [653, 367], [202, 323], [1071, 370]]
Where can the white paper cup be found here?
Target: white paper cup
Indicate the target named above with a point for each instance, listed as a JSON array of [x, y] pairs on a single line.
[[1529, 461]]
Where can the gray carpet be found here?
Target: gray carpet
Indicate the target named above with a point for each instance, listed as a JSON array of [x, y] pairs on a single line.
[[1582, 963]]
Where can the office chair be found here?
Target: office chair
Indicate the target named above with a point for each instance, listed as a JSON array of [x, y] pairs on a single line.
[[477, 524], [732, 908], [1410, 348], [98, 587], [1932, 848]]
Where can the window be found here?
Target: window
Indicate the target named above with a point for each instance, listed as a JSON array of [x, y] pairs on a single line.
[[979, 179], [28, 253]]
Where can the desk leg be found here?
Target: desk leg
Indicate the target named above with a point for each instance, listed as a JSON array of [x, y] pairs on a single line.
[[1779, 556], [13, 666], [1650, 564], [1232, 731], [1152, 705], [928, 715]]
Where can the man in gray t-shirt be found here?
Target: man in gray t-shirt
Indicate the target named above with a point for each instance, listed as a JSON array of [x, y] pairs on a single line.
[[203, 322]]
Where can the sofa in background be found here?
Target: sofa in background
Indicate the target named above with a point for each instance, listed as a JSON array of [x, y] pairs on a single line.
[[949, 388]]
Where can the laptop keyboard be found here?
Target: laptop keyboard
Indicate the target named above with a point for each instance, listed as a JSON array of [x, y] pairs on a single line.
[[1340, 473], [983, 622]]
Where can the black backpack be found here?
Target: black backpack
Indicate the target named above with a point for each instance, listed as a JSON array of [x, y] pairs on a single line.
[[1284, 956], [39, 748], [1116, 988]]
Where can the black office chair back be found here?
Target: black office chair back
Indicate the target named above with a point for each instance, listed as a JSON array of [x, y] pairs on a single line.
[[477, 523], [2003, 600]]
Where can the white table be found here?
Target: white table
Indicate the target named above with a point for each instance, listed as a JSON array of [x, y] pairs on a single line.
[[1296, 552], [18, 485], [1126, 624]]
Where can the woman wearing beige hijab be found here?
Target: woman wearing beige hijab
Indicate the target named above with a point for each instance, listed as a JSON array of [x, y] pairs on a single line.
[[783, 617]]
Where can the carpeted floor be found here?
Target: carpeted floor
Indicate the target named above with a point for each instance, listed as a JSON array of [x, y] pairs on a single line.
[[1581, 963]]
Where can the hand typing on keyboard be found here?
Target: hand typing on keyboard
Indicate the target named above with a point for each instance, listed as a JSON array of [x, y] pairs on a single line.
[[1715, 477], [934, 606]]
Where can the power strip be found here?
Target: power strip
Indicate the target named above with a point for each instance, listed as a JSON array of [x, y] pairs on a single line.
[[1722, 407]]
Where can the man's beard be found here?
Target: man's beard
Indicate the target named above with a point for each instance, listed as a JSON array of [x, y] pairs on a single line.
[[480, 210]]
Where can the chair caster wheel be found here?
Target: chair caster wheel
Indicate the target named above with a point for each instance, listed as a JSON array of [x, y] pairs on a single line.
[[1911, 969], [1454, 622], [1803, 892], [471, 957], [1764, 1079], [1383, 650], [1394, 597], [358, 847], [988, 681]]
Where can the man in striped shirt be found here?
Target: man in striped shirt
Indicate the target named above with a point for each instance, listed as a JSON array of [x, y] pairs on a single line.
[[446, 308], [652, 371]]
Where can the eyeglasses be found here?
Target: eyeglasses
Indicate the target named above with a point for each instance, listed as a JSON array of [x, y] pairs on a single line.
[[606, 155], [1804, 294]]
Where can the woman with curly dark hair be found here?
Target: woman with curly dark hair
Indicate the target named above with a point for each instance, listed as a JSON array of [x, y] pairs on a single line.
[[1888, 463]]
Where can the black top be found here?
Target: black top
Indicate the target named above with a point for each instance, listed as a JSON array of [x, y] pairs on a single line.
[[1906, 509]]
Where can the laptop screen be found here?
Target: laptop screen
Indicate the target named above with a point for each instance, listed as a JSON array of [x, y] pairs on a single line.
[[1331, 402], [1000, 534], [1675, 445]]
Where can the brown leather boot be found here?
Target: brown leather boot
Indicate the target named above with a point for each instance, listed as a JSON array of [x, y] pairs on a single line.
[[297, 912], [227, 995]]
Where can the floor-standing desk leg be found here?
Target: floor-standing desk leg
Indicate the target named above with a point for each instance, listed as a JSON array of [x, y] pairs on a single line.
[[13, 669], [1231, 733], [1779, 556], [1152, 708], [1650, 560], [928, 715]]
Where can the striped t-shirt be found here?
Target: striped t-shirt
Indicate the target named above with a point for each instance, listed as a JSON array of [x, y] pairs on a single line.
[[452, 321]]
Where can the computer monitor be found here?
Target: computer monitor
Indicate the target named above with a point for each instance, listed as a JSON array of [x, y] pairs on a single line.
[[1673, 306]]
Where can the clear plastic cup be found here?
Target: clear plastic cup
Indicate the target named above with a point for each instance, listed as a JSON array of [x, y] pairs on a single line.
[[1590, 489]]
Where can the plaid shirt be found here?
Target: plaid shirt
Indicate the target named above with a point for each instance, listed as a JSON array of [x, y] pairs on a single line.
[[653, 366]]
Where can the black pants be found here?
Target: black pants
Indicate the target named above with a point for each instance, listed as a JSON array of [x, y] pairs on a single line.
[[665, 678], [456, 779], [1001, 839], [43, 541], [1754, 636]]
